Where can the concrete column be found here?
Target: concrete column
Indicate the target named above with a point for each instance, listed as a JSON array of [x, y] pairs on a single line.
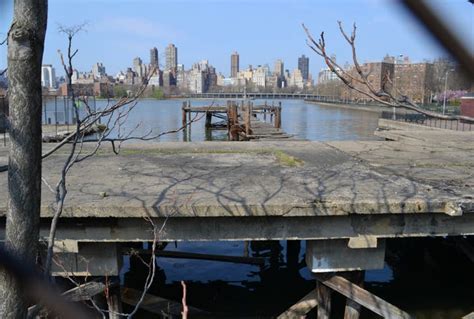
[[335, 255]]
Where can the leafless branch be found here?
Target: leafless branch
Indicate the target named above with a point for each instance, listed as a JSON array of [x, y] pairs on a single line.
[[384, 96], [115, 114], [184, 313]]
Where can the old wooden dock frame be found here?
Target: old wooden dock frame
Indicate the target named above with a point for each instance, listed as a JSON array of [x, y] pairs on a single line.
[[241, 119]]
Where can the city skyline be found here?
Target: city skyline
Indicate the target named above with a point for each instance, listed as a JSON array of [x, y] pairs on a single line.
[[132, 35]]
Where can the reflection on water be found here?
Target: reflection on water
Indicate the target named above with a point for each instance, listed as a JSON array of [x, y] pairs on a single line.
[[426, 277]]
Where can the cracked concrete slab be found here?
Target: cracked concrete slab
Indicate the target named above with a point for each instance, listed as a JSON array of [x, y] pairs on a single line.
[[237, 179]]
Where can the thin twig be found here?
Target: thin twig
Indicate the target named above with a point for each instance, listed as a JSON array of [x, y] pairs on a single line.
[[384, 96]]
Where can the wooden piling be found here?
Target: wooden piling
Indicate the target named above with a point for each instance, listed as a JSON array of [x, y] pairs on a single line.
[[189, 113], [183, 112], [208, 119], [323, 300], [278, 116], [248, 118], [352, 309], [233, 121], [229, 110]]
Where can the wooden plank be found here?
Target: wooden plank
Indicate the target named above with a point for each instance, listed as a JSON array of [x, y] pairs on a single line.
[[362, 297], [80, 293], [157, 305], [84, 291], [323, 298], [302, 307]]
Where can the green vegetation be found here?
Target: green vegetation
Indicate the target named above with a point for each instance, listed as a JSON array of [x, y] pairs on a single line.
[[286, 159], [120, 92], [157, 94]]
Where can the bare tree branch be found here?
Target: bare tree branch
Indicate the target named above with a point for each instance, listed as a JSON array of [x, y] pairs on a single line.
[[384, 96], [116, 115]]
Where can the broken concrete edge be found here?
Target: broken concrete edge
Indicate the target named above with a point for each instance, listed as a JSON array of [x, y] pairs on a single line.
[[343, 208]]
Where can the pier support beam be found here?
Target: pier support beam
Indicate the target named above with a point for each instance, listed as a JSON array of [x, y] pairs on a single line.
[[88, 259], [335, 255]]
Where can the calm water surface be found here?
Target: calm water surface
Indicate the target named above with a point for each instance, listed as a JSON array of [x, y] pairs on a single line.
[[305, 120], [427, 277]]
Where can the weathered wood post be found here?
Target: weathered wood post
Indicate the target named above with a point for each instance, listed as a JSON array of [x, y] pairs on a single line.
[[277, 123], [247, 118], [235, 126], [183, 112], [352, 309], [323, 296], [232, 120], [188, 130], [189, 112], [208, 119], [229, 110]]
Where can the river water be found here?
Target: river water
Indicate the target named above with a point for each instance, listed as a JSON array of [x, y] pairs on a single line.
[[305, 120], [426, 277]]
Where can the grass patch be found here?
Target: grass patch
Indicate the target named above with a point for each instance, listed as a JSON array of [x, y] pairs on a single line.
[[286, 159]]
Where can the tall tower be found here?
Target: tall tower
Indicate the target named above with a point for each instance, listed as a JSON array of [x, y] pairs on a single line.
[[154, 58], [279, 68], [137, 67], [234, 65], [171, 58], [48, 76], [303, 66]]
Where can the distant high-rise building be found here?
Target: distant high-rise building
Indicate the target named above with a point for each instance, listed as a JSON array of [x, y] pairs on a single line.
[[154, 58], [303, 66], [279, 68], [171, 57], [48, 76], [137, 66], [234, 65], [98, 70]]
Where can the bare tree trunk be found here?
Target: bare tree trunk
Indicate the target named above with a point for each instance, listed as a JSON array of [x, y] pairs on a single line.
[[25, 54]]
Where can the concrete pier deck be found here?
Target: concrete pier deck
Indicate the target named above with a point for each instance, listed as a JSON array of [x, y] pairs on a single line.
[[352, 194], [228, 179], [425, 173]]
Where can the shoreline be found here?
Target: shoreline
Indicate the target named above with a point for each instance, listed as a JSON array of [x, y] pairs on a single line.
[[373, 109]]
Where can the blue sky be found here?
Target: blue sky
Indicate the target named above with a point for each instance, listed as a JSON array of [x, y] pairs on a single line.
[[260, 30]]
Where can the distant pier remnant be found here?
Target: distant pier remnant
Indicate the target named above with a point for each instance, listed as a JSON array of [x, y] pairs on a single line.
[[243, 122]]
